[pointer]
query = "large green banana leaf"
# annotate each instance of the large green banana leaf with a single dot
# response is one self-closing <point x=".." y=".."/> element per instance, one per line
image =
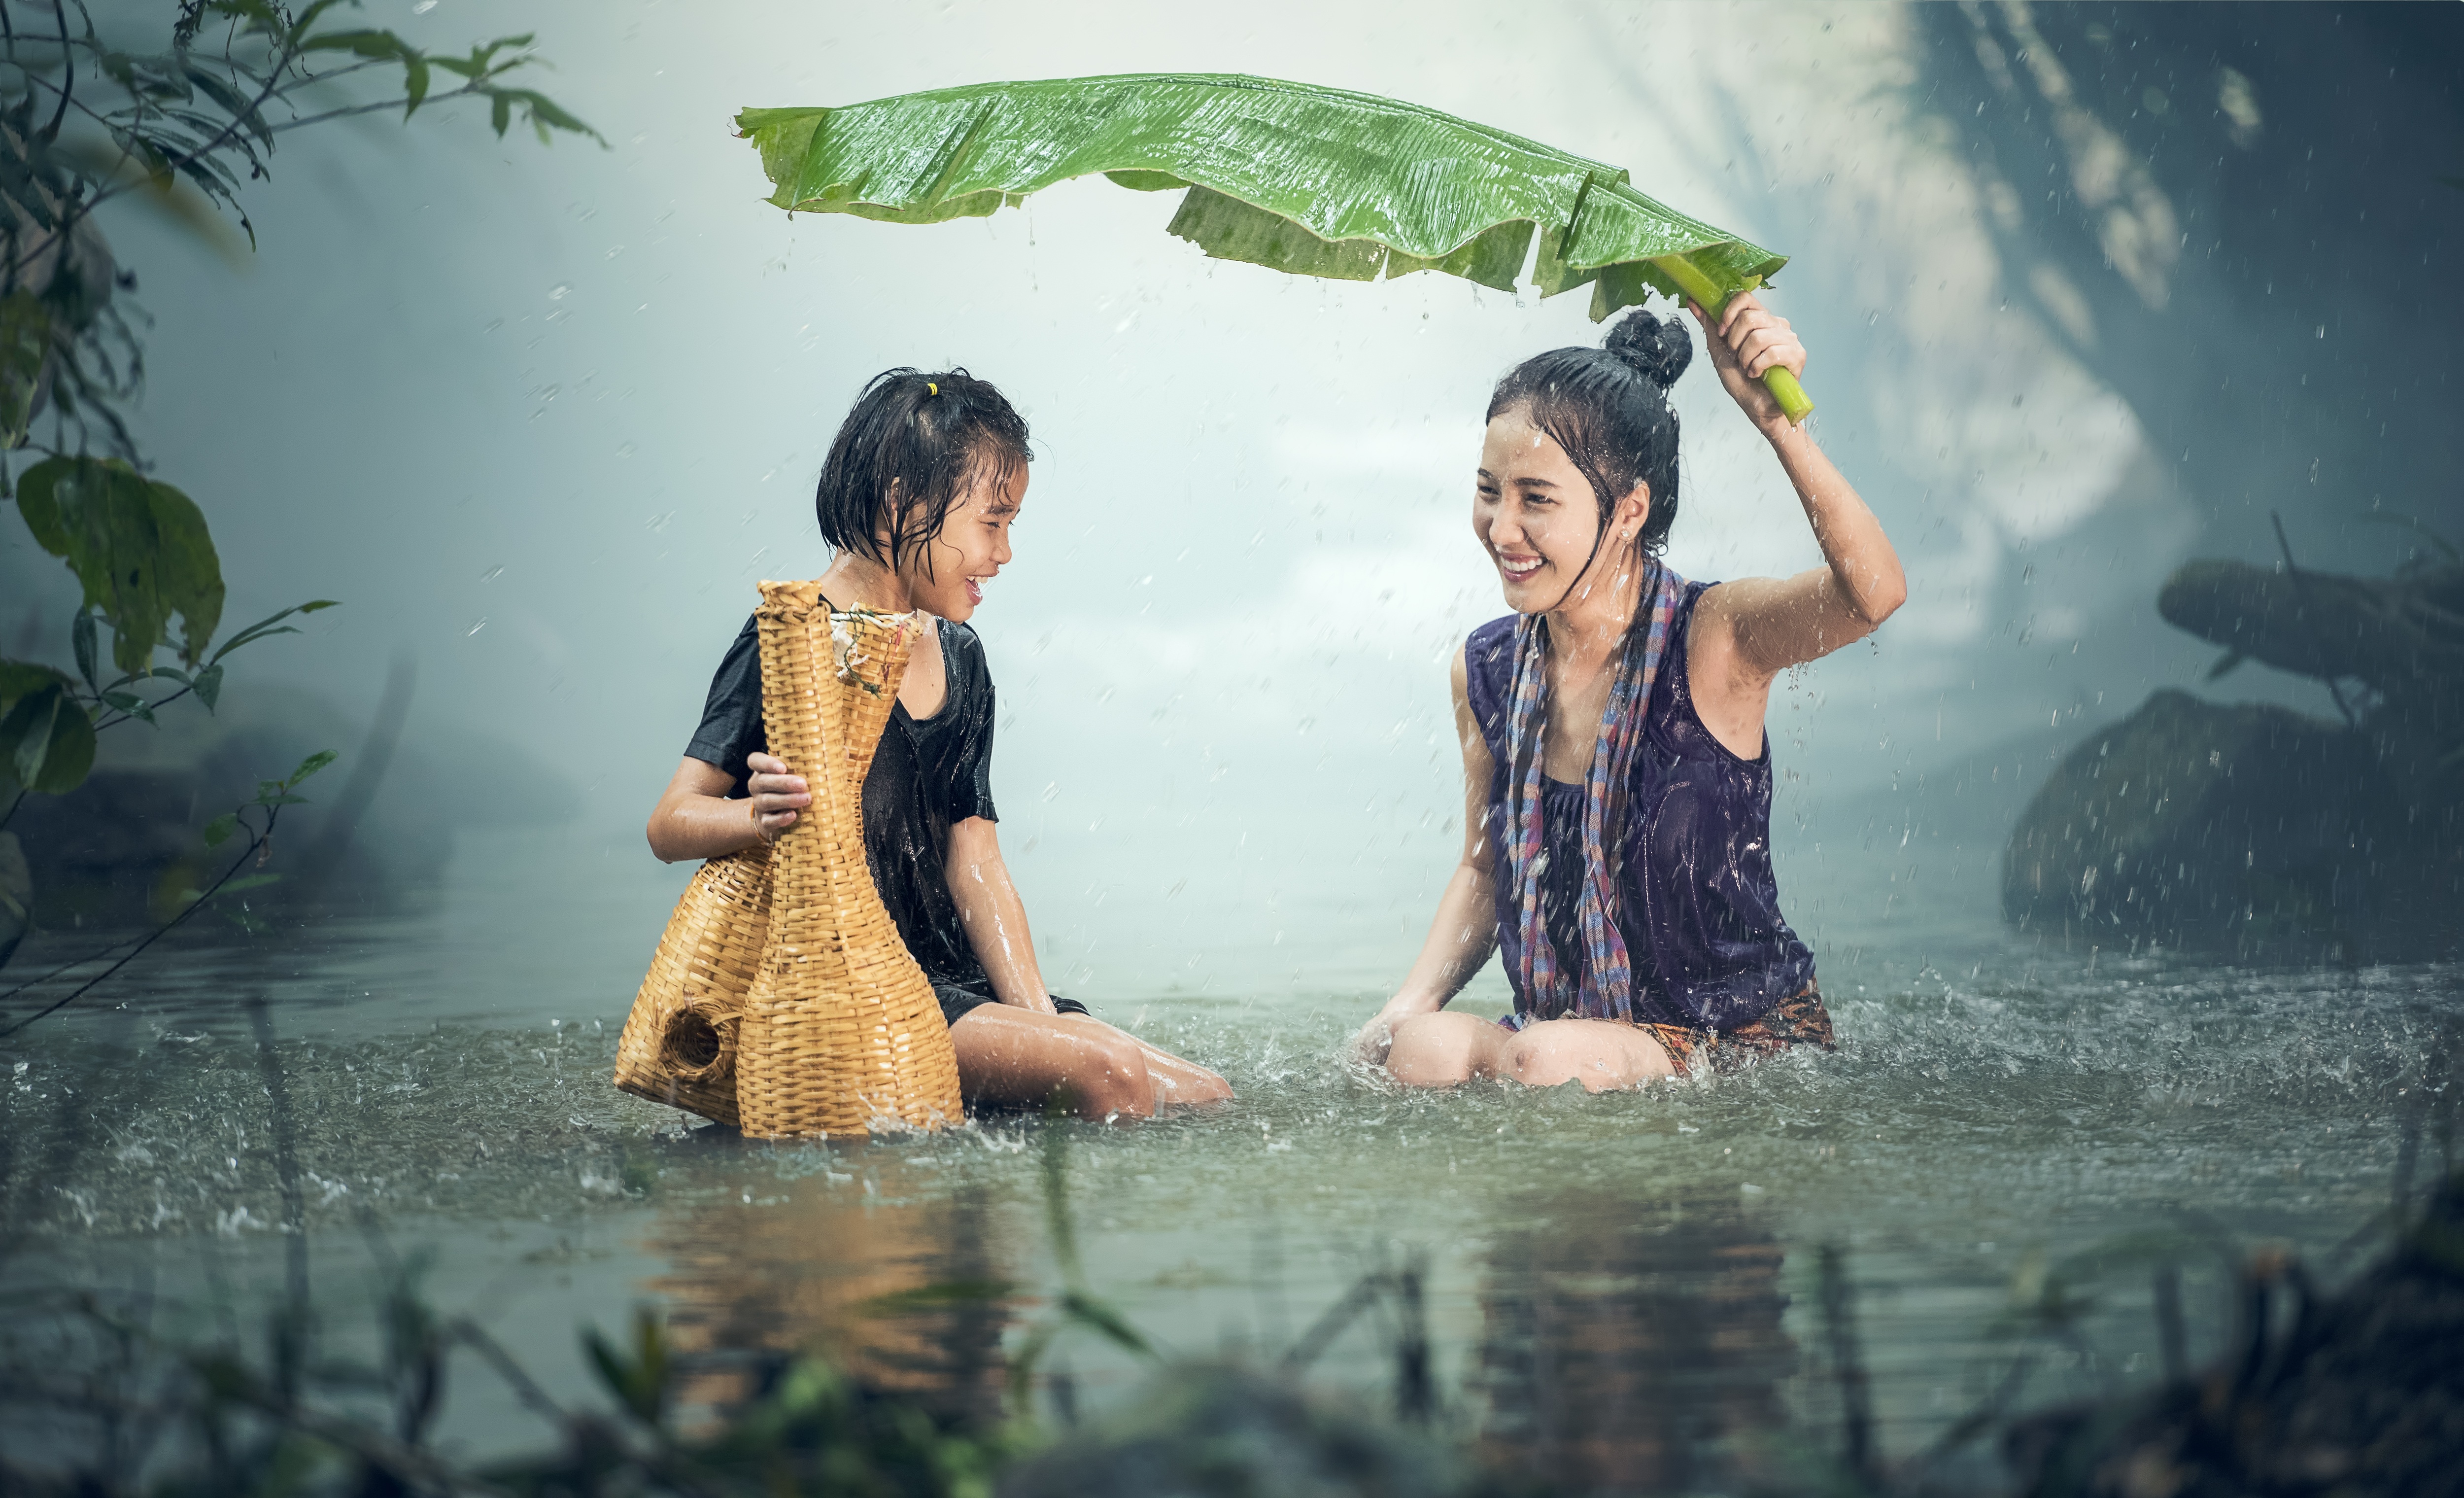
<point x="1312" y="180"/>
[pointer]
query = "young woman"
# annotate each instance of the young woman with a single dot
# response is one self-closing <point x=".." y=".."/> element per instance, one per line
<point x="917" y="500"/>
<point x="1616" y="780"/>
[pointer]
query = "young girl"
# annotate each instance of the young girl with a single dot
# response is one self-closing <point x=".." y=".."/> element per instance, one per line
<point x="917" y="500"/>
<point x="1616" y="780"/>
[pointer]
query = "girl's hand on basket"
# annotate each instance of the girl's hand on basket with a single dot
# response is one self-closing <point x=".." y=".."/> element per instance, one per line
<point x="776" y="794"/>
<point x="1748" y="341"/>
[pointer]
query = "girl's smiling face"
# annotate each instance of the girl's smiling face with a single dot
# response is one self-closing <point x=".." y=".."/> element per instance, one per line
<point x="1537" y="515"/>
<point x="945" y="577"/>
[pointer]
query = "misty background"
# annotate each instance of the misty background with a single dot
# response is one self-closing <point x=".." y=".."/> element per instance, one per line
<point x="541" y="416"/>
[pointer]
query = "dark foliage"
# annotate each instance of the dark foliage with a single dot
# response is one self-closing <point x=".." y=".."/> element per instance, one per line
<point x="2360" y="1394"/>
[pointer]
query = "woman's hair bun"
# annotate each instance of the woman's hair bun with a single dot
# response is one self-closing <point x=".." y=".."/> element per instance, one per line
<point x="1656" y="348"/>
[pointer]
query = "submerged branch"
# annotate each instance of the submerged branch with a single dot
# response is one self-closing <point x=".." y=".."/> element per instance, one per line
<point x="258" y="843"/>
<point x="2400" y="635"/>
<point x="2294" y="571"/>
<point x="91" y="957"/>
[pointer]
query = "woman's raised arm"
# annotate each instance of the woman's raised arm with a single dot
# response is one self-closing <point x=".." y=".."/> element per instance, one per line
<point x="1776" y="622"/>
<point x="1464" y="932"/>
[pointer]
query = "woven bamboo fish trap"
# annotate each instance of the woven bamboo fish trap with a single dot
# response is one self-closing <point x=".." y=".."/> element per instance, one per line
<point x="680" y="1042"/>
<point x="831" y="1026"/>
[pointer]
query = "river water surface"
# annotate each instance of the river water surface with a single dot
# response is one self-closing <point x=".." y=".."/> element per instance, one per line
<point x="1623" y="1289"/>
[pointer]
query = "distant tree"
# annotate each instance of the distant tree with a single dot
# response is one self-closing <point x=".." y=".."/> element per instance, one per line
<point x="2240" y="219"/>
<point x="2237" y="217"/>
<point x="179" y="120"/>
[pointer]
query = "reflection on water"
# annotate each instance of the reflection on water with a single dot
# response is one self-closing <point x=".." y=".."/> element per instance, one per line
<point x="900" y="1289"/>
<point x="1996" y="1103"/>
<point x="1633" y="1344"/>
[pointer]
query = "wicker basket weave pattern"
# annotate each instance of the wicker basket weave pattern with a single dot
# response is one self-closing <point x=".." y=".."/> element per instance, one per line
<point x="841" y="1028"/>
<point x="781" y="998"/>
<point x="680" y="1042"/>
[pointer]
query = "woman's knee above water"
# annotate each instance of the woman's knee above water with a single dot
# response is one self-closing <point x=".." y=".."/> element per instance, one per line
<point x="1603" y="1055"/>
<point x="1436" y="1049"/>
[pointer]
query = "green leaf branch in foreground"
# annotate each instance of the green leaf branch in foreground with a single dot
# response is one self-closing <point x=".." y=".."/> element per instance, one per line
<point x="139" y="547"/>
<point x="50" y="721"/>
<point x="141" y="551"/>
<point x="46" y="736"/>
<point x="179" y="131"/>
<point x="87" y="120"/>
<point x="480" y="73"/>
<point x="1309" y="181"/>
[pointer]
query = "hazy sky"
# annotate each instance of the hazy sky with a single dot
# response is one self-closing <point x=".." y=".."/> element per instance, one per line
<point x="542" y="417"/>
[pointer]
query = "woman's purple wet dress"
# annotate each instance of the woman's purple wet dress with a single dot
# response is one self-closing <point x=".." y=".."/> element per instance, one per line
<point x="1700" y="906"/>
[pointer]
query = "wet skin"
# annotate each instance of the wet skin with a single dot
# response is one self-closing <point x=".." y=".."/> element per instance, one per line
<point x="1017" y="1052"/>
<point x="1540" y="521"/>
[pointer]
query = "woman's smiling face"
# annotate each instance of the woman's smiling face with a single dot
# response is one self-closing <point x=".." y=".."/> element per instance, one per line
<point x="972" y="545"/>
<point x="1536" y="514"/>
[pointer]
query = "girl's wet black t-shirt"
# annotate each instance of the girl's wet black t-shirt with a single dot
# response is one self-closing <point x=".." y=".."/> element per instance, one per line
<point x="927" y="774"/>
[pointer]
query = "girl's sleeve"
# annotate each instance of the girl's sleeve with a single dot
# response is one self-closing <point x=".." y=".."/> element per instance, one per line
<point x="730" y="717"/>
<point x="967" y="787"/>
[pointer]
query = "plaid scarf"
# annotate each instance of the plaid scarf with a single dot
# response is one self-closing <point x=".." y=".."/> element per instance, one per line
<point x="1605" y="990"/>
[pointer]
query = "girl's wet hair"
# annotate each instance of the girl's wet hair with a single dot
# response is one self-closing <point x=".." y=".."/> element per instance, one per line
<point x="908" y="450"/>
<point x="1608" y="408"/>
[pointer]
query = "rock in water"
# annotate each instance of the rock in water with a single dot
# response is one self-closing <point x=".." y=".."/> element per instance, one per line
<point x="2244" y="830"/>
<point x="2258" y="832"/>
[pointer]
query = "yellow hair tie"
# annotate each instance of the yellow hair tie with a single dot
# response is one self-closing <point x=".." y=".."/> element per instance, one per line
<point x="930" y="388"/>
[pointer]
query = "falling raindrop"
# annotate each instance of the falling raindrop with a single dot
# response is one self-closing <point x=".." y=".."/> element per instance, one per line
<point x="482" y="624"/>
<point x="492" y="574"/>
